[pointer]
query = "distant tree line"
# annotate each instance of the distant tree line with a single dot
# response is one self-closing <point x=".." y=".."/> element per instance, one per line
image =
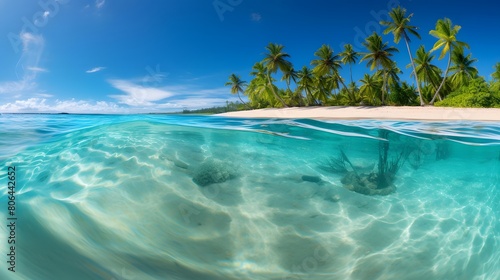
<point x="230" y="107"/>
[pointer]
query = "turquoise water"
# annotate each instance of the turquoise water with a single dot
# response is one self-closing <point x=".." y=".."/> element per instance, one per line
<point x="191" y="197"/>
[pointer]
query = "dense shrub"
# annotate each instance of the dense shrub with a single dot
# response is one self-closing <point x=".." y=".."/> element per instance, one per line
<point x="478" y="94"/>
<point x="403" y="95"/>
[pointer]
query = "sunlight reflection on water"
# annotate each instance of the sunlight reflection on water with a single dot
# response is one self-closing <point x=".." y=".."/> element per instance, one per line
<point x="113" y="197"/>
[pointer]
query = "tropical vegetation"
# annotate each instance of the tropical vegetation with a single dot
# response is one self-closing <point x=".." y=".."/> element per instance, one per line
<point x="230" y="107"/>
<point x="321" y="83"/>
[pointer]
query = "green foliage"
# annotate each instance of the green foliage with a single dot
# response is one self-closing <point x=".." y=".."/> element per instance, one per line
<point x="403" y="95"/>
<point x="462" y="68"/>
<point x="471" y="100"/>
<point x="230" y="107"/>
<point x="322" y="84"/>
<point x="379" y="53"/>
<point x="477" y="94"/>
<point x="495" y="86"/>
<point x="496" y="75"/>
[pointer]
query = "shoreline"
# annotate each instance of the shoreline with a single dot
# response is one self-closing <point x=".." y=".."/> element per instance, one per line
<point x="385" y="113"/>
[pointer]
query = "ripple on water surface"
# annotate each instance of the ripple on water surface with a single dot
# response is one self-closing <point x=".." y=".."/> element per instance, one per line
<point x="168" y="197"/>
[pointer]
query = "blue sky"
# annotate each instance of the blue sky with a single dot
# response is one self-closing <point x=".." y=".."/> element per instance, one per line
<point x="131" y="56"/>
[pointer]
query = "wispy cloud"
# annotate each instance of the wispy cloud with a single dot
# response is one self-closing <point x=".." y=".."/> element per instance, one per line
<point x="154" y="75"/>
<point x="136" y="95"/>
<point x="169" y="97"/>
<point x="37" y="69"/>
<point x="27" y="67"/>
<point x="33" y="46"/>
<point x="39" y="21"/>
<point x="44" y="95"/>
<point x="95" y="69"/>
<point x="256" y="17"/>
<point x="43" y="105"/>
<point x="134" y="98"/>
<point x="99" y="3"/>
<point x="13" y="87"/>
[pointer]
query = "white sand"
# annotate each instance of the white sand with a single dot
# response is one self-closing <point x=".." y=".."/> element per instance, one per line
<point x="393" y="113"/>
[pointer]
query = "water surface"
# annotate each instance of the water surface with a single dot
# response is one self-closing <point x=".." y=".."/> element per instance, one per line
<point x="193" y="197"/>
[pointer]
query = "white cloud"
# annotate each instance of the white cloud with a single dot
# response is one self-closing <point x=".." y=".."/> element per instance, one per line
<point x="42" y="105"/>
<point x="99" y="3"/>
<point x="27" y="67"/>
<point x="171" y="97"/>
<point x="256" y="17"/>
<point x="31" y="41"/>
<point x="155" y="102"/>
<point x="154" y="75"/>
<point x="136" y="95"/>
<point x="44" y="95"/>
<point x="95" y="69"/>
<point x="13" y="87"/>
<point x="40" y="21"/>
<point x="33" y="46"/>
<point x="37" y="69"/>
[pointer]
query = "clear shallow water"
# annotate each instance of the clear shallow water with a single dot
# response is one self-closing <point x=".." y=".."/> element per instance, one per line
<point x="113" y="197"/>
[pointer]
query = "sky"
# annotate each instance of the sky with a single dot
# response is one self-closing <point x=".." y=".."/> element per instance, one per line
<point x="131" y="56"/>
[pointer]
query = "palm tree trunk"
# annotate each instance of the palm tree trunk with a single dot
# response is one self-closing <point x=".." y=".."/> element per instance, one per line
<point x="301" y="98"/>
<point x="444" y="78"/>
<point x="350" y="70"/>
<point x="246" y="105"/>
<point x="310" y="97"/>
<point x="422" y="103"/>
<point x="343" y="84"/>
<point x="274" y="93"/>
<point x="435" y="87"/>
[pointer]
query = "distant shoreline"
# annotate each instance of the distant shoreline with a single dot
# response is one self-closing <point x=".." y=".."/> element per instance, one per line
<point x="386" y="113"/>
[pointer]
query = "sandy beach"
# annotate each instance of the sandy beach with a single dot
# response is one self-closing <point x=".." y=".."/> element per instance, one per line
<point x="390" y="113"/>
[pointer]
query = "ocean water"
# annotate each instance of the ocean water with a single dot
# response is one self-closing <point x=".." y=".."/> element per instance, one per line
<point x="195" y="197"/>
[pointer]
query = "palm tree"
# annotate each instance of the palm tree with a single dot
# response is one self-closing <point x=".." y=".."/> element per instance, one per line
<point x="306" y="83"/>
<point x="399" y="26"/>
<point x="378" y="56"/>
<point x="276" y="59"/>
<point x="371" y="85"/>
<point x="426" y="71"/>
<point x="352" y="96"/>
<point x="327" y="63"/>
<point x="403" y="94"/>
<point x="333" y="82"/>
<point x="289" y="75"/>
<point x="446" y="34"/>
<point x="322" y="88"/>
<point x="462" y="68"/>
<point x="349" y="56"/>
<point x="237" y="86"/>
<point x="258" y="90"/>
<point x="392" y="73"/>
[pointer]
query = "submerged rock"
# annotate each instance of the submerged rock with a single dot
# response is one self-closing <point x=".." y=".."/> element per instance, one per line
<point x="180" y="164"/>
<point x="313" y="179"/>
<point x="333" y="198"/>
<point x="366" y="184"/>
<point x="213" y="171"/>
